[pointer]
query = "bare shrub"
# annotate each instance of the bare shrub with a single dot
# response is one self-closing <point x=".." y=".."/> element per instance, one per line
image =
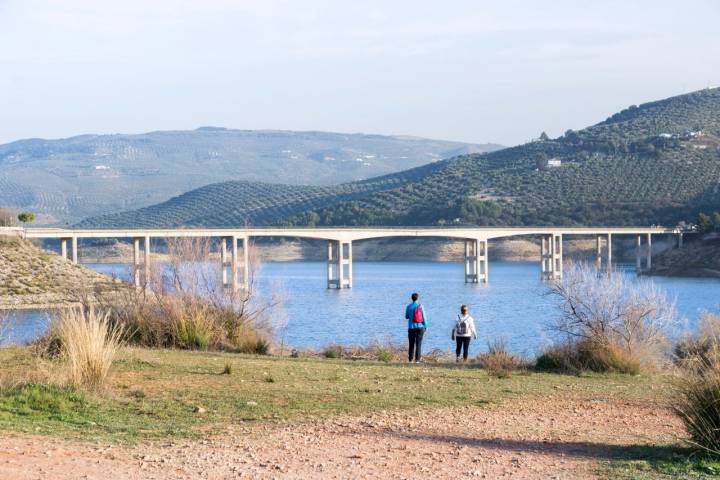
<point x="608" y="319"/>
<point x="498" y="360"/>
<point x="8" y="217"/>
<point x="186" y="305"/>
<point x="89" y="344"/>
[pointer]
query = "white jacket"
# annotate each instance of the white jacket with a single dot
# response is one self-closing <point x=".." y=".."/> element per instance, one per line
<point x="470" y="326"/>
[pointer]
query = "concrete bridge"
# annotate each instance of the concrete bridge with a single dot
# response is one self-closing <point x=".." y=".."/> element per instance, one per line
<point x="235" y="244"/>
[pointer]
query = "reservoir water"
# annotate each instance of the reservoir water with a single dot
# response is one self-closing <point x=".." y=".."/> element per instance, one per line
<point x="513" y="306"/>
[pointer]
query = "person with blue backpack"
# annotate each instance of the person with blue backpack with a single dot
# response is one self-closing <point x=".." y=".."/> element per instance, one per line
<point x="417" y="324"/>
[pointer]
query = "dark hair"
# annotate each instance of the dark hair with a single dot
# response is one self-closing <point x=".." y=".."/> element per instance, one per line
<point x="414" y="297"/>
<point x="463" y="308"/>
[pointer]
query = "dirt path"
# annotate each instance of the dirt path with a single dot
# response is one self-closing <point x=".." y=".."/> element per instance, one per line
<point x="552" y="437"/>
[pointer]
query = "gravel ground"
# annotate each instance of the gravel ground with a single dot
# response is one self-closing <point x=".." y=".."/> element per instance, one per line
<point x="550" y="437"/>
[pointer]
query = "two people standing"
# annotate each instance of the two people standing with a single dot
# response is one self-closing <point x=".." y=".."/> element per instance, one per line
<point x="417" y="325"/>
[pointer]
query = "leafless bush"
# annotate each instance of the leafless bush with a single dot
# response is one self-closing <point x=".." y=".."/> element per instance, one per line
<point x="610" y="314"/>
<point x="187" y="306"/>
<point x="8" y="217"/>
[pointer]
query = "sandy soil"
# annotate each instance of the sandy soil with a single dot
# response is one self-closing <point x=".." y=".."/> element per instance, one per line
<point x="551" y="437"/>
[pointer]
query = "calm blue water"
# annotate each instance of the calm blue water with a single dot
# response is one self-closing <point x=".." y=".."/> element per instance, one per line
<point x="512" y="306"/>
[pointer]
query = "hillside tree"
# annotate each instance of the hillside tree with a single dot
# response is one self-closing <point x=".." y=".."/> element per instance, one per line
<point x="26" y="217"/>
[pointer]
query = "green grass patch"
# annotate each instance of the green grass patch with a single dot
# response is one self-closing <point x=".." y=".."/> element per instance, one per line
<point x="672" y="462"/>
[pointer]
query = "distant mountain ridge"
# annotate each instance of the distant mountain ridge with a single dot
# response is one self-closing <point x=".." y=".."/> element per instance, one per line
<point x="68" y="179"/>
<point x="654" y="163"/>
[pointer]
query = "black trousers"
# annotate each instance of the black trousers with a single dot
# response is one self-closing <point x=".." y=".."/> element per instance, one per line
<point x="415" y="336"/>
<point x="462" y="343"/>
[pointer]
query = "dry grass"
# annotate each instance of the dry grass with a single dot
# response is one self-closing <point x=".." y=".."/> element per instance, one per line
<point x="697" y="403"/>
<point x="89" y="345"/>
<point x="575" y="356"/>
<point x="498" y="361"/>
<point x="697" y="398"/>
<point x="377" y="350"/>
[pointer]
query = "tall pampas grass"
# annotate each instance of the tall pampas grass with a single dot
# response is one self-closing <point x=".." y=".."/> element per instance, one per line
<point x="89" y="344"/>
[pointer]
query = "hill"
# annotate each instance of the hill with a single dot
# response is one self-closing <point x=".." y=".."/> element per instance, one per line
<point x="654" y="163"/>
<point x="69" y="179"/>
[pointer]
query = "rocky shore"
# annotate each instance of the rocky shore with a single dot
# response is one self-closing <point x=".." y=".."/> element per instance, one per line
<point x="697" y="258"/>
<point x="31" y="277"/>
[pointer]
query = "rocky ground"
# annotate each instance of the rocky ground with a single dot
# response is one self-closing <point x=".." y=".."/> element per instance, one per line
<point x="555" y="436"/>
<point x="698" y="258"/>
<point x="34" y="278"/>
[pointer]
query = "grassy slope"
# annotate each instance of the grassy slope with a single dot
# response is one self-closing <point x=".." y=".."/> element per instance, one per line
<point x="616" y="172"/>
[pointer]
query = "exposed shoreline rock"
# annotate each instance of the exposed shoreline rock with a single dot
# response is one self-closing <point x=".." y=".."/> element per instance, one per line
<point x="698" y="258"/>
<point x="34" y="278"/>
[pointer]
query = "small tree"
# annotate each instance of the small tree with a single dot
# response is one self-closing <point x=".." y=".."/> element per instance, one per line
<point x="541" y="161"/>
<point x="26" y="217"/>
<point x="704" y="223"/>
<point x="716" y="221"/>
<point x="544" y="137"/>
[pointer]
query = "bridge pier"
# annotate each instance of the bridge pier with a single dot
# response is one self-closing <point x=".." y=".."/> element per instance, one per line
<point x="73" y="248"/>
<point x="339" y="264"/>
<point x="648" y="254"/>
<point x="599" y="251"/>
<point x="239" y="271"/>
<point x="223" y="262"/>
<point x="63" y="248"/>
<point x="551" y="257"/>
<point x="476" y="261"/>
<point x="136" y="262"/>
<point x="141" y="278"/>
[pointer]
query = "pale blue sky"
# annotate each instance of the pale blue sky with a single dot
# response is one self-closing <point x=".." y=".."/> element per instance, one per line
<point x="463" y="70"/>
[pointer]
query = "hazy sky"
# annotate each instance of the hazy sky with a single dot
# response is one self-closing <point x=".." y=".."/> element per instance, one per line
<point x="464" y="70"/>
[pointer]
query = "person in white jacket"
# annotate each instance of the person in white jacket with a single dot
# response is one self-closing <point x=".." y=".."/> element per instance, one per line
<point x="462" y="332"/>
